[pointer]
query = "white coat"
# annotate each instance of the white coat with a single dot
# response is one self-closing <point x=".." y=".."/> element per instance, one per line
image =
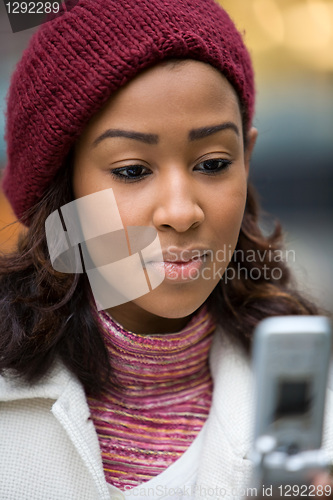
<point x="49" y="447"/>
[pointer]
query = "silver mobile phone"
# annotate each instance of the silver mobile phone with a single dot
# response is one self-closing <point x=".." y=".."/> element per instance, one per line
<point x="291" y="358"/>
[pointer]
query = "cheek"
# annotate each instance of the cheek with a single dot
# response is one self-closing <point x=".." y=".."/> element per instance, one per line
<point x="227" y="209"/>
<point x="89" y="177"/>
<point x="136" y="202"/>
<point x="84" y="183"/>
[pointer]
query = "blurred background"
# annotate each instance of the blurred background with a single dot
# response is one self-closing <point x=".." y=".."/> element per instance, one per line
<point x="291" y="42"/>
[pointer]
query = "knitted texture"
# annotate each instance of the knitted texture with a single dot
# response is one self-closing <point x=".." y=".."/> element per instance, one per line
<point x="163" y="400"/>
<point x="76" y="61"/>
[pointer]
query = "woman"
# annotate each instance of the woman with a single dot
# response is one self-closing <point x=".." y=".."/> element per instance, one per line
<point x="146" y="397"/>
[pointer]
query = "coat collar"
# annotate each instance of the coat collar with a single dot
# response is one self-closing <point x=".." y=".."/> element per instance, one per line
<point x="51" y="386"/>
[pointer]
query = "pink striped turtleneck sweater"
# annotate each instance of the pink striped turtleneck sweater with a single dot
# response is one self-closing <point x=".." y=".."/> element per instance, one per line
<point x="148" y="422"/>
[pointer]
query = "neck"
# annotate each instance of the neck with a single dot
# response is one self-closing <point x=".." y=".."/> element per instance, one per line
<point x="152" y="365"/>
<point x="137" y="320"/>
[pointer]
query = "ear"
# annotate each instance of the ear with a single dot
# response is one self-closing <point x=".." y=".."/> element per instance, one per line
<point x="251" y="141"/>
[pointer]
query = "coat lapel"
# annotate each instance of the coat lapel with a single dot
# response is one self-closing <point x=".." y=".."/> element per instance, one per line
<point x="70" y="409"/>
<point x="225" y="462"/>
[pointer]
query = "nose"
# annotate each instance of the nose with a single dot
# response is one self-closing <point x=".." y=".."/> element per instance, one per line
<point x="178" y="204"/>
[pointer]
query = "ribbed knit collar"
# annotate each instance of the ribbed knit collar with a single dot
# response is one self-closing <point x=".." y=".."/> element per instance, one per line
<point x="161" y="362"/>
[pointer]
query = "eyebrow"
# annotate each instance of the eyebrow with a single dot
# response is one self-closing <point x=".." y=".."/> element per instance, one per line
<point x="194" y="134"/>
<point x="200" y="133"/>
<point x="128" y="134"/>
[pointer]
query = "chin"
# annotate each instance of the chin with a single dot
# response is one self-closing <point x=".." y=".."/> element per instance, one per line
<point x="171" y="306"/>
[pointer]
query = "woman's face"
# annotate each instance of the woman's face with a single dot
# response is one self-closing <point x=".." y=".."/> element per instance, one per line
<point x="179" y="166"/>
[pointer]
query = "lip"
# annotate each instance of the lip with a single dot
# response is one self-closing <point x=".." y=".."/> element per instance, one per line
<point x="177" y="255"/>
<point x="179" y="269"/>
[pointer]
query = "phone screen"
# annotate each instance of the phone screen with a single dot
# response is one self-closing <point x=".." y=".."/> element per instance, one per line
<point x="294" y="398"/>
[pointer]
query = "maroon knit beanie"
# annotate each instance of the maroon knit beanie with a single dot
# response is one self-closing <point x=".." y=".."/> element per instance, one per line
<point x="76" y="61"/>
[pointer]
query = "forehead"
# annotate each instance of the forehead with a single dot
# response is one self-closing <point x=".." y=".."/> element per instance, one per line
<point x="171" y="94"/>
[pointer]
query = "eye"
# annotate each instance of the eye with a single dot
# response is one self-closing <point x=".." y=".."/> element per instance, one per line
<point x="213" y="166"/>
<point x="132" y="173"/>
